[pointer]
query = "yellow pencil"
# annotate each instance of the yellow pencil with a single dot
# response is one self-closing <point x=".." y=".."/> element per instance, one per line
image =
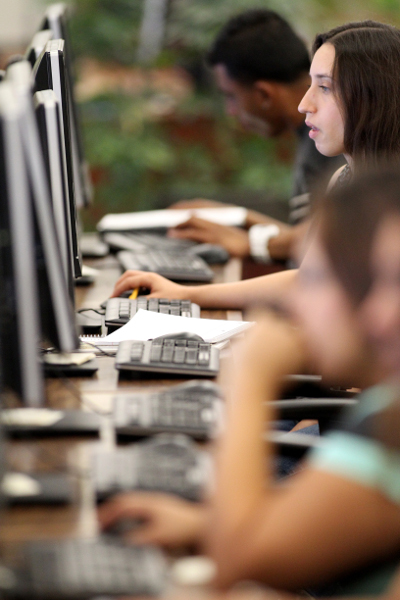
<point x="134" y="294"/>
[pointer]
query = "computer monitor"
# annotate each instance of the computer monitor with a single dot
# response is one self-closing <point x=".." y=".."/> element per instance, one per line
<point x="19" y="306"/>
<point x="56" y="19"/>
<point x="37" y="44"/>
<point x="48" y="120"/>
<point x="50" y="73"/>
<point x="57" y="316"/>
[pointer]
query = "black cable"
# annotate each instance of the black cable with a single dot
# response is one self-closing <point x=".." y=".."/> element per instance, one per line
<point x="96" y="310"/>
<point x="100" y="349"/>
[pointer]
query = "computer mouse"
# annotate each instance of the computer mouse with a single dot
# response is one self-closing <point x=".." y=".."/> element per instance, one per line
<point x="183" y="335"/>
<point x="211" y="253"/>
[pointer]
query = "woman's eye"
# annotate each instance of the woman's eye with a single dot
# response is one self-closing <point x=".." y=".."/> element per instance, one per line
<point x="324" y="88"/>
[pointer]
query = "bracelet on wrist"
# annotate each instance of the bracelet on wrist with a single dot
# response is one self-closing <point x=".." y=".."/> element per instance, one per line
<point x="259" y="237"/>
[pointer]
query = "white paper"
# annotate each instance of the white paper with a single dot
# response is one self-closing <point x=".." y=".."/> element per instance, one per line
<point x="147" y="325"/>
<point x="65" y="358"/>
<point x="155" y="219"/>
<point x="39" y="417"/>
<point x="19" y="484"/>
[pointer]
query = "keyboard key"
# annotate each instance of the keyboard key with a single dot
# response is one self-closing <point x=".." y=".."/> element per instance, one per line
<point x="120" y="310"/>
<point x="155" y="354"/>
<point x="191" y="356"/>
<point x="179" y="355"/>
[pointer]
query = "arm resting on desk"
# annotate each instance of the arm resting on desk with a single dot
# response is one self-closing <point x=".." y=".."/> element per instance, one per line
<point x="237" y="295"/>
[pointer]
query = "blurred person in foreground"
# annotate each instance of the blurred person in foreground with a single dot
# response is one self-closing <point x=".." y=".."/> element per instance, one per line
<point x="334" y="526"/>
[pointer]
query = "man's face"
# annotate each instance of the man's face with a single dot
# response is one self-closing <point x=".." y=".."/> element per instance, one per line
<point x="246" y="103"/>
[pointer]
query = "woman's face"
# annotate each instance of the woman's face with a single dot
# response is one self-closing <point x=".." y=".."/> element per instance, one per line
<point x="381" y="310"/>
<point x="332" y="333"/>
<point x="320" y="105"/>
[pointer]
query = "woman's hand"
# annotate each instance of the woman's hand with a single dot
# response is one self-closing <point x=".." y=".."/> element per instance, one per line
<point x="159" y="286"/>
<point x="164" y="520"/>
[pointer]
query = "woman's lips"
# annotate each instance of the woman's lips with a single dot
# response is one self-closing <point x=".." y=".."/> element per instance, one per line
<point x="313" y="130"/>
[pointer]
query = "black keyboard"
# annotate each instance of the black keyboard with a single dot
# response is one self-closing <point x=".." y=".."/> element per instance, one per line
<point x="172" y="265"/>
<point x="164" y="463"/>
<point x="193" y="408"/>
<point x="79" y="569"/>
<point x="140" y="241"/>
<point x="120" y="310"/>
<point x="172" y="356"/>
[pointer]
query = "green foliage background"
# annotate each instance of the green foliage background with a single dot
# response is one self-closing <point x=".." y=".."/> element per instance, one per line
<point x="137" y="162"/>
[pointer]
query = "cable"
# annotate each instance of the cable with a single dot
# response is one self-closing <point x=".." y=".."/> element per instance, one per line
<point x="96" y="310"/>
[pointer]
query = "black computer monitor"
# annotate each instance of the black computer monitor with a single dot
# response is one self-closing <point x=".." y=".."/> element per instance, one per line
<point x="50" y="73"/>
<point x="19" y="306"/>
<point x="48" y="120"/>
<point x="56" y="19"/>
<point x="37" y="44"/>
<point x="57" y="316"/>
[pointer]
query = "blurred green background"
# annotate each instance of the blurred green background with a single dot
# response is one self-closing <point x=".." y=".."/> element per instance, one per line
<point x="155" y="131"/>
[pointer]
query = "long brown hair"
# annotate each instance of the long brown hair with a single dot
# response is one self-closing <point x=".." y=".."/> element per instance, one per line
<point x="366" y="75"/>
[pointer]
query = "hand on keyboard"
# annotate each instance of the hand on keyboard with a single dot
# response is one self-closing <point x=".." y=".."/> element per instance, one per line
<point x="233" y="239"/>
<point x="159" y="286"/>
<point x="166" y="520"/>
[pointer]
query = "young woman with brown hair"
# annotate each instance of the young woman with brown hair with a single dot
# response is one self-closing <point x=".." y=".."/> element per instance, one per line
<point x="352" y="108"/>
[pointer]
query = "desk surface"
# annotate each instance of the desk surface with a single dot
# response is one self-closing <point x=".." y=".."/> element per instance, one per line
<point x="71" y="454"/>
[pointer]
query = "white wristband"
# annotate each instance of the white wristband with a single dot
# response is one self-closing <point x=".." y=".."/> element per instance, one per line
<point x="259" y="236"/>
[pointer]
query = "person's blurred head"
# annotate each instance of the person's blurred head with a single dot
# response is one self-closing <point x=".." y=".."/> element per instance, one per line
<point x="349" y="290"/>
<point x="327" y="314"/>
<point x="259" y="63"/>
<point x="355" y="67"/>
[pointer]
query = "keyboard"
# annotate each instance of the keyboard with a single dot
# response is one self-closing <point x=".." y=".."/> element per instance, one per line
<point x="164" y="463"/>
<point x="172" y="265"/>
<point x="193" y="408"/>
<point x="140" y="241"/>
<point x="120" y="310"/>
<point x="170" y="356"/>
<point x="79" y="569"/>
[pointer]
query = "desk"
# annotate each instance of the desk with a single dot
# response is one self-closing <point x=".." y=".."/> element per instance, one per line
<point x="71" y="454"/>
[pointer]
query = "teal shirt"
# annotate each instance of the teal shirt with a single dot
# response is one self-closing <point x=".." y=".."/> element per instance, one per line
<point x="353" y="453"/>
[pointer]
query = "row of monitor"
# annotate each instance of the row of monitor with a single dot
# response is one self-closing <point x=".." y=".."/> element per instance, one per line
<point x="42" y="182"/>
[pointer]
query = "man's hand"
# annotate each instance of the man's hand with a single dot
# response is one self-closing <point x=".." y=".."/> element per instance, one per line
<point x="199" y="203"/>
<point x="233" y="239"/>
<point x="167" y="521"/>
<point x="159" y="286"/>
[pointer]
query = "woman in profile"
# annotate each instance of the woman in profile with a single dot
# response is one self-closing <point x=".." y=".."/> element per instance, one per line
<point x="352" y="108"/>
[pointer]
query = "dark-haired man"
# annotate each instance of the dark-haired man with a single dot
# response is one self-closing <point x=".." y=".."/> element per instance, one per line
<point x="261" y="67"/>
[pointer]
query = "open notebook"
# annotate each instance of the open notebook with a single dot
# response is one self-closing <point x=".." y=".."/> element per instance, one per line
<point x="147" y="325"/>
